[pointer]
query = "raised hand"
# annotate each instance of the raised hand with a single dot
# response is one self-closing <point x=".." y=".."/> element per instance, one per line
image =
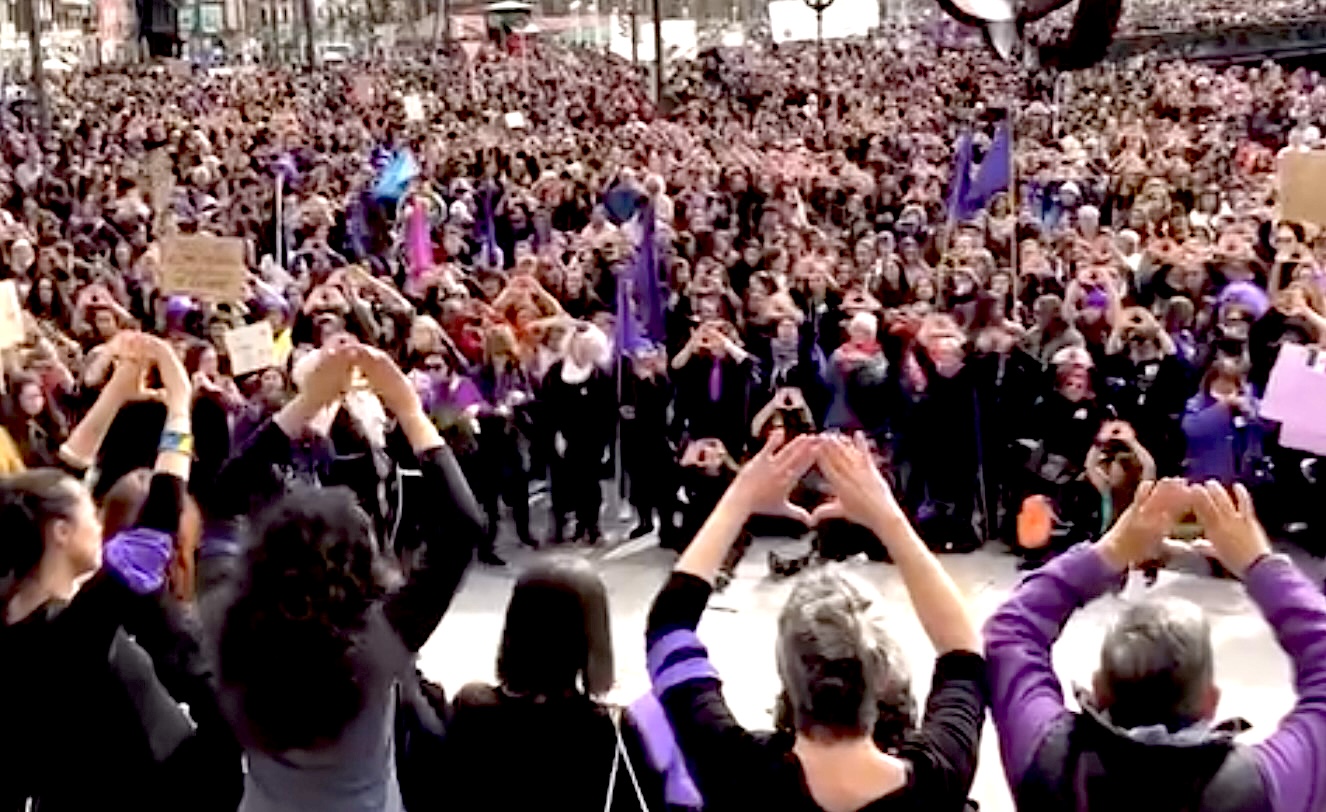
<point x="131" y="364"/>
<point x="329" y="377"/>
<point x="1237" y="537"/>
<point x="861" y="495"/>
<point x="385" y="377"/>
<point x="764" y="483"/>
<point x="399" y="396"/>
<point x="175" y="379"/>
<point x="1140" y="532"/>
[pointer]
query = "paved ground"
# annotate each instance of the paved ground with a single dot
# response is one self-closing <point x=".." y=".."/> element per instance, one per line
<point x="739" y="630"/>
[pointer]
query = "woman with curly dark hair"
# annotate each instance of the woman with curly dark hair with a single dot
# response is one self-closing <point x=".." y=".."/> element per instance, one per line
<point x="314" y="638"/>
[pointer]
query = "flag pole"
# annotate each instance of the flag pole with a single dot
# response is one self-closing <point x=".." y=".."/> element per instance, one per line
<point x="280" y="220"/>
<point x="1015" y="247"/>
<point x="619" y="489"/>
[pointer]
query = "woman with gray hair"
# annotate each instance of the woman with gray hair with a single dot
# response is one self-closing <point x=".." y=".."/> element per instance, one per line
<point x="834" y="658"/>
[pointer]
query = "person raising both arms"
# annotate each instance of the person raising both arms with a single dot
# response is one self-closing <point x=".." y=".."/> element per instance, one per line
<point x="833" y="658"/>
<point x="1144" y="739"/>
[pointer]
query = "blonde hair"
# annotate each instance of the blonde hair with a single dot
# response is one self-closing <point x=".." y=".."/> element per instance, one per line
<point x="11" y="461"/>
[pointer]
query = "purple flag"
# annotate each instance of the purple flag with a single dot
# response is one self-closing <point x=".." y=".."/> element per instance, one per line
<point x="647" y="289"/>
<point x="629" y="336"/>
<point x="995" y="173"/>
<point x="960" y="186"/>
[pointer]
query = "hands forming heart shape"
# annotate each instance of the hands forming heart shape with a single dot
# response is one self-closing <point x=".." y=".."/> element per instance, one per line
<point x="1234" y="536"/>
<point x="861" y="495"/>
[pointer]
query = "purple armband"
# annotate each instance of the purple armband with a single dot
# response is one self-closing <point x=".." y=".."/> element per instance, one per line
<point x="139" y="557"/>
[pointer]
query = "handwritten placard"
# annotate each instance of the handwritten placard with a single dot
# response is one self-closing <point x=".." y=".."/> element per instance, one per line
<point x="515" y="120"/>
<point x="251" y="348"/>
<point x="204" y="266"/>
<point x="1302" y="180"/>
<point x="12" y="331"/>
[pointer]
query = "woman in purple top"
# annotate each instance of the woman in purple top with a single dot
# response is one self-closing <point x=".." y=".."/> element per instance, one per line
<point x="1144" y="739"/>
<point x="1223" y="431"/>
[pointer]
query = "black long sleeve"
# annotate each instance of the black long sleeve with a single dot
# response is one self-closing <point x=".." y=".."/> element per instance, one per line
<point x="678" y="605"/>
<point x="253" y="470"/>
<point x="446" y="537"/>
<point x="738" y="769"/>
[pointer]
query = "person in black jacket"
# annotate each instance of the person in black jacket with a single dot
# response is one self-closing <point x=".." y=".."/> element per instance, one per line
<point x="554" y="665"/>
<point x="578" y="402"/>
<point x="86" y="701"/>
<point x="829" y="657"/>
<point x="311" y="638"/>
<point x="647" y="453"/>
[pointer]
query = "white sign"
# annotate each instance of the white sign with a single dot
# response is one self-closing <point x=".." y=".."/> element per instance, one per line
<point x="414" y="107"/>
<point x="251" y="348"/>
<point x="12" y="331"/>
<point x="515" y="120"/>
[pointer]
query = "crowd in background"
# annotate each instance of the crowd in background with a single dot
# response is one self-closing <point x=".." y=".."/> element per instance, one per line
<point x="485" y="274"/>
<point x="809" y="262"/>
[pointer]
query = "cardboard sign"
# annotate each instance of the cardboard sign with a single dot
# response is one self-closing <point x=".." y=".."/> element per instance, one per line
<point x="207" y="267"/>
<point x="251" y="348"/>
<point x="12" y="330"/>
<point x="515" y="120"/>
<point x="414" y="107"/>
<point x="1297" y="388"/>
<point x="1301" y="177"/>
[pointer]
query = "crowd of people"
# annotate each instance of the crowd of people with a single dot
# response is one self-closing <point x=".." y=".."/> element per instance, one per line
<point x="1168" y="15"/>
<point x="1015" y="300"/>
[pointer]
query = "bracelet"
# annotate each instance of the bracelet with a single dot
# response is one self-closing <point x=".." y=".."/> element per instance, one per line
<point x="176" y="441"/>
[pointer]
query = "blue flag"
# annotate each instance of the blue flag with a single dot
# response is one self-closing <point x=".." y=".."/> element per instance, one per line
<point x="995" y="173"/>
<point x="395" y="177"/>
<point x="960" y="185"/>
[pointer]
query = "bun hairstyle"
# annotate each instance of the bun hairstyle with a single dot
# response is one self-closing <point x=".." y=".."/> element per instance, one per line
<point x="28" y="501"/>
<point x="840" y="670"/>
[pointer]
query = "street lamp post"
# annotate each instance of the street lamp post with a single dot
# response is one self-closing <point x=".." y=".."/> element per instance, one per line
<point x="819" y="7"/>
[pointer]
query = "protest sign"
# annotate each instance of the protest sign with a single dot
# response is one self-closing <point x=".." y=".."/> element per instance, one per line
<point x="1302" y="185"/>
<point x="414" y="107"/>
<point x="1297" y="387"/>
<point x="515" y="120"/>
<point x="251" y="348"/>
<point x="204" y="266"/>
<point x="12" y="331"/>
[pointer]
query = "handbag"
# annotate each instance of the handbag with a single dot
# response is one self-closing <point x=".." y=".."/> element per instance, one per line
<point x="620" y="755"/>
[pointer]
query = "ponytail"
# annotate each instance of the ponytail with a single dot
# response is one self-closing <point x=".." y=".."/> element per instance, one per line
<point x="27" y="502"/>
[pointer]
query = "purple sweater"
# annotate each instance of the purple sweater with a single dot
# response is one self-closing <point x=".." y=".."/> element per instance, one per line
<point x="1027" y="700"/>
